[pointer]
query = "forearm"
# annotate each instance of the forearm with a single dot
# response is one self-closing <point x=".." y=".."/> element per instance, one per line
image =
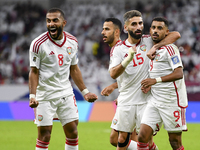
<point x="33" y="80"/>
<point x="116" y="71"/>
<point x="169" y="39"/>
<point x="77" y="77"/>
<point x="176" y="75"/>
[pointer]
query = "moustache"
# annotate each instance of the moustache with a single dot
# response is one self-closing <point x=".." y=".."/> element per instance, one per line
<point x="138" y="31"/>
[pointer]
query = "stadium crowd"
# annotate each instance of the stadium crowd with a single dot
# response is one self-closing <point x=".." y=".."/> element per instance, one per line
<point x="22" y="22"/>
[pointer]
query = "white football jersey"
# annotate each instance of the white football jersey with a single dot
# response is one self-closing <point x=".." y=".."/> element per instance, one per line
<point x="53" y="59"/>
<point x="129" y="82"/>
<point x="170" y="93"/>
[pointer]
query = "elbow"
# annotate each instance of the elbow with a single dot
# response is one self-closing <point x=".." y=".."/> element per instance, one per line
<point x="178" y="35"/>
<point x="113" y="75"/>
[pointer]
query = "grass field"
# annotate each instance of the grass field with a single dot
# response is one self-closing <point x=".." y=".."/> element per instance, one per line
<point x="21" y="135"/>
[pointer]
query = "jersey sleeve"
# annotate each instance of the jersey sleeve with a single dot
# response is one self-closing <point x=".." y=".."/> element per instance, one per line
<point x="174" y="56"/>
<point x="115" y="58"/>
<point x="75" y="59"/>
<point x="34" y="57"/>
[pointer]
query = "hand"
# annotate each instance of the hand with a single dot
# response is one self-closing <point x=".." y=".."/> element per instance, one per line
<point x="131" y="51"/>
<point x="151" y="53"/>
<point x="90" y="97"/>
<point x="107" y="90"/>
<point x="148" y="82"/>
<point x="33" y="103"/>
<point x="115" y="101"/>
<point x="145" y="90"/>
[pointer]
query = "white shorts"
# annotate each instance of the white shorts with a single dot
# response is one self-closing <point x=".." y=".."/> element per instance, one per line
<point x="173" y="117"/>
<point x="65" y="108"/>
<point x="127" y="118"/>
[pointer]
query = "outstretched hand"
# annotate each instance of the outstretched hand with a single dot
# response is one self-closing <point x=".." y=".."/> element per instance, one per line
<point x="33" y="103"/>
<point x="90" y="97"/>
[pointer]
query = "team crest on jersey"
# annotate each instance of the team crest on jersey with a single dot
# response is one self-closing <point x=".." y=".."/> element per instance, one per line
<point x="40" y="117"/>
<point x="157" y="57"/>
<point x="115" y="121"/>
<point x="69" y="50"/>
<point x="143" y="47"/>
<point x="34" y="59"/>
<point x="175" y="60"/>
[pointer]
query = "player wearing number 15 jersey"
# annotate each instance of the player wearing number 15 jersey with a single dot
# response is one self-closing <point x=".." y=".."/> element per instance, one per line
<point x="53" y="57"/>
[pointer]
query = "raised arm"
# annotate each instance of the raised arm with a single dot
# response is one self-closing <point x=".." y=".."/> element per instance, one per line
<point x="33" y="82"/>
<point x="78" y="80"/>
<point x="119" y="69"/>
<point x="169" y="39"/>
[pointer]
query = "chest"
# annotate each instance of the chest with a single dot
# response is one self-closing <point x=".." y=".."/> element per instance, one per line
<point x="54" y="54"/>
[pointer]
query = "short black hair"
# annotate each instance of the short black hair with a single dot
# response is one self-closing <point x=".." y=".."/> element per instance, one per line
<point x="115" y="21"/>
<point x="130" y="14"/>
<point x="52" y="10"/>
<point x="161" y="19"/>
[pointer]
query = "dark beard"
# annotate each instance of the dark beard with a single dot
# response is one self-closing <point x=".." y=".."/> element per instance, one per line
<point x="133" y="35"/>
<point x="58" y="34"/>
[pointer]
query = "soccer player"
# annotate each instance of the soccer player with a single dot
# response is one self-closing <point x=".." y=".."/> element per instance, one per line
<point x="168" y="98"/>
<point x="53" y="57"/>
<point x="111" y="35"/>
<point x="129" y="65"/>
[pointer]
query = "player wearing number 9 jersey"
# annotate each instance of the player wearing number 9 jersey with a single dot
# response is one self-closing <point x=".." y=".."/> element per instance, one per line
<point x="53" y="57"/>
<point x="168" y="98"/>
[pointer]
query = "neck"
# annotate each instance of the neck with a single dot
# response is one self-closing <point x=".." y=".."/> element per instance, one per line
<point x="114" y="42"/>
<point x="132" y="40"/>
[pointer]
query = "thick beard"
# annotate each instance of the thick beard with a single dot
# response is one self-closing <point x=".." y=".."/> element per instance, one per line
<point x="133" y="35"/>
<point x="58" y="34"/>
<point x="111" y="39"/>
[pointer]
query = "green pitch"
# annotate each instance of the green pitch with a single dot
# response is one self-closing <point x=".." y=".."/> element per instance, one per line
<point x="21" y="135"/>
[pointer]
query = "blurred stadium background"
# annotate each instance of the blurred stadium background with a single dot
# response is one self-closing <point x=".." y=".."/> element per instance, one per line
<point x="23" y="20"/>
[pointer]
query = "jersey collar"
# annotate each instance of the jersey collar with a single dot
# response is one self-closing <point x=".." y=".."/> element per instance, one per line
<point x="59" y="45"/>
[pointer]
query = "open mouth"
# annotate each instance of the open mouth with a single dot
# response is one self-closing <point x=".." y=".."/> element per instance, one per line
<point x="53" y="31"/>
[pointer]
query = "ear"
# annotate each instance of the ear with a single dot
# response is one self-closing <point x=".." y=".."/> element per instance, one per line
<point x="167" y="31"/>
<point x="125" y="27"/>
<point x="64" y="22"/>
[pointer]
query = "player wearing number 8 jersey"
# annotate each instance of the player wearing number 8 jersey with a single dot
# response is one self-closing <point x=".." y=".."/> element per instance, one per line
<point x="53" y="57"/>
<point x="168" y="98"/>
<point x="129" y="65"/>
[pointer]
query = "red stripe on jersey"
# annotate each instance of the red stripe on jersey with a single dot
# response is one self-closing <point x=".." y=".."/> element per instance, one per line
<point x="146" y="36"/>
<point x="124" y="42"/>
<point x="170" y="50"/>
<point x="39" y="41"/>
<point x="117" y="43"/>
<point x="68" y="35"/>
<point x="183" y="116"/>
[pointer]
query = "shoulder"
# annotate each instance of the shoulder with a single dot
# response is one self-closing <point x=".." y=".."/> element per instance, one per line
<point x="70" y="37"/>
<point x="171" y="49"/>
<point x="38" y="41"/>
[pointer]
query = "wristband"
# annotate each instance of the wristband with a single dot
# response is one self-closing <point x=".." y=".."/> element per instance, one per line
<point x="85" y="91"/>
<point x="125" y="62"/>
<point x="158" y="80"/>
<point x="31" y="96"/>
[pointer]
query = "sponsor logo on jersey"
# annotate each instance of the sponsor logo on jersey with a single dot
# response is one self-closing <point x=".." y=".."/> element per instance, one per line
<point x="175" y="60"/>
<point x="143" y="47"/>
<point x="69" y="50"/>
<point x="157" y="57"/>
<point x="34" y="59"/>
<point x="40" y="117"/>
<point x="115" y="121"/>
